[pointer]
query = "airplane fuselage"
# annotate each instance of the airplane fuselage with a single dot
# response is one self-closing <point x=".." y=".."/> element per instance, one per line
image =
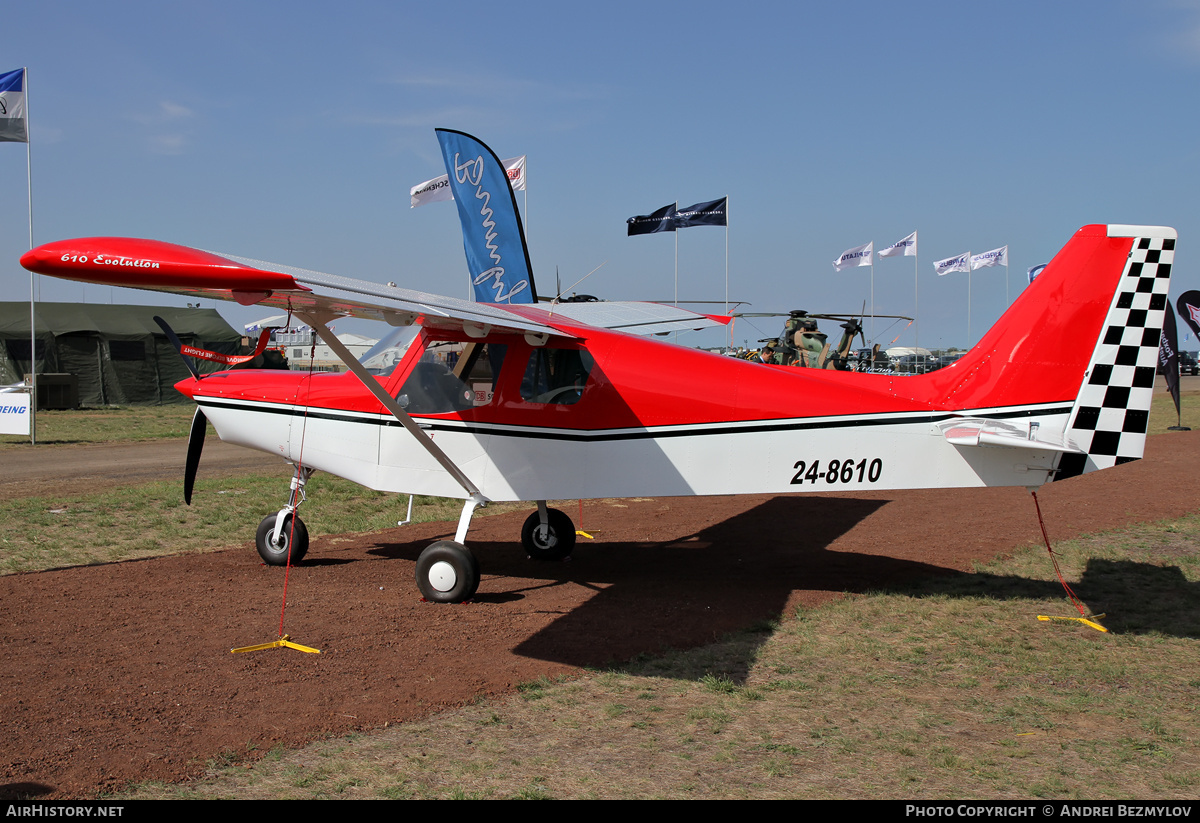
<point x="650" y="419"/>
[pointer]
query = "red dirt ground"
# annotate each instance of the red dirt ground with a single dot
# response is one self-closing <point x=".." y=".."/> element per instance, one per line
<point x="123" y="672"/>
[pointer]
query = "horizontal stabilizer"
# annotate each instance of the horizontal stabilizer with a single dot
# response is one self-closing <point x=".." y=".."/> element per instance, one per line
<point x="977" y="431"/>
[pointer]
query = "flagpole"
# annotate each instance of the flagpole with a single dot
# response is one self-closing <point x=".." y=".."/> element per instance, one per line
<point x="916" y="300"/>
<point x="968" y="299"/>
<point x="872" y="296"/>
<point x="727" y="269"/>
<point x="676" y="233"/>
<point x="32" y="276"/>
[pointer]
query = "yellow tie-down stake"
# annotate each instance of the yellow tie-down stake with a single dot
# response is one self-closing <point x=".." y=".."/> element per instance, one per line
<point x="1087" y="621"/>
<point x="277" y="644"/>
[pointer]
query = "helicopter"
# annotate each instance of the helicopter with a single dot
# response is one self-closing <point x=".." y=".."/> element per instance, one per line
<point x="802" y="344"/>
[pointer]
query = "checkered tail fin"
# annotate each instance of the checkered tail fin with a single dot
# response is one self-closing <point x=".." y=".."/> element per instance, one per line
<point x="1109" y="418"/>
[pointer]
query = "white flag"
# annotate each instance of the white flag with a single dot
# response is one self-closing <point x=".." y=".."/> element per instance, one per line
<point x="960" y="263"/>
<point x="438" y="189"/>
<point x="14" y="126"/>
<point x="906" y="247"/>
<point x="995" y="257"/>
<point x="516" y="172"/>
<point x="857" y="256"/>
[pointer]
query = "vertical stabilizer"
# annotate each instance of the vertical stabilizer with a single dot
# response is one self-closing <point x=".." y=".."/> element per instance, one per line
<point x="1111" y="411"/>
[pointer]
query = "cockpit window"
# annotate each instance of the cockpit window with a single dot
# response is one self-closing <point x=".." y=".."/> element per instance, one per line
<point x="556" y="376"/>
<point x="385" y="355"/>
<point x="448" y="380"/>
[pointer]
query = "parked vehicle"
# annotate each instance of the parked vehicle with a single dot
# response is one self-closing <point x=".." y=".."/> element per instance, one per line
<point x="916" y="364"/>
<point x="1188" y="364"/>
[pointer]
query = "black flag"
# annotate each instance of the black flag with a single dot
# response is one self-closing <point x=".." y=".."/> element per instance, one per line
<point x="711" y="213"/>
<point x="661" y="220"/>
<point x="1168" y="356"/>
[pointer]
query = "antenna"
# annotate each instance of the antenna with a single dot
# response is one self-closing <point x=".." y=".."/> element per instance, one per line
<point x="558" y="296"/>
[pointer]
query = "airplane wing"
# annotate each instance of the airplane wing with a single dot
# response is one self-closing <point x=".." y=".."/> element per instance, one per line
<point x="636" y="318"/>
<point x="166" y="267"/>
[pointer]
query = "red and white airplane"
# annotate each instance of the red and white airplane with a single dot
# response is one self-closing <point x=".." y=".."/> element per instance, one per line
<point x="562" y="401"/>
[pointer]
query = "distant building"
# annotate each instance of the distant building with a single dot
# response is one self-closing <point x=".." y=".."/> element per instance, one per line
<point x="295" y="343"/>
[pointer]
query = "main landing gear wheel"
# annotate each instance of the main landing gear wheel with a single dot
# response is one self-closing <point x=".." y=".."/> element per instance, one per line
<point x="447" y="572"/>
<point x="554" y="541"/>
<point x="277" y="555"/>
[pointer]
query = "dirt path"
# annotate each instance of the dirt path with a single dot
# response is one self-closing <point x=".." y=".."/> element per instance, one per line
<point x="67" y="470"/>
<point x="122" y="672"/>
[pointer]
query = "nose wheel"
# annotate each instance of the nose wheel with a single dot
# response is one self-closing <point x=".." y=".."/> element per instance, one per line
<point x="293" y="536"/>
<point x="282" y="537"/>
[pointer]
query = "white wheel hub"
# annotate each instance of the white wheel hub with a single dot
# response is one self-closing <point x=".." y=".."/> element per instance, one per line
<point x="442" y="576"/>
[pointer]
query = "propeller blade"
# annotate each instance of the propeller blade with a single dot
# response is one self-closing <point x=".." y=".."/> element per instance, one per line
<point x="195" y="446"/>
<point x="178" y="344"/>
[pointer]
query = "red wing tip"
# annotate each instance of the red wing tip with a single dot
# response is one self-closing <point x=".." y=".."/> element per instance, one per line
<point x="129" y="261"/>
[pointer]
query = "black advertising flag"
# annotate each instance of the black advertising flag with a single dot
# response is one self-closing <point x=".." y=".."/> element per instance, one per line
<point x="661" y="220"/>
<point x="711" y="213"/>
<point x="1168" y="356"/>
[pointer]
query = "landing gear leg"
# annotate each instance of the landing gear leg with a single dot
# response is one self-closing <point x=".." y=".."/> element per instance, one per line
<point x="277" y="537"/>
<point x="447" y="572"/>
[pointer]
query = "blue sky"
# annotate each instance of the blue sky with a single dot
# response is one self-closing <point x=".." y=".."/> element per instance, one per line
<point x="292" y="132"/>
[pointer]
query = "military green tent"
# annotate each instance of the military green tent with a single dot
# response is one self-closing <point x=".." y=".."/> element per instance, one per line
<point x="118" y="353"/>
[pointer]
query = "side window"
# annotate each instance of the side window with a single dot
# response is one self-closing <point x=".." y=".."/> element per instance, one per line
<point x="556" y="376"/>
<point x="452" y="381"/>
<point x="479" y="368"/>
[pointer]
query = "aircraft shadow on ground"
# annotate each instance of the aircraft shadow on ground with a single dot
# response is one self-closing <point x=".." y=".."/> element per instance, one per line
<point x="1136" y="598"/>
<point x="651" y="597"/>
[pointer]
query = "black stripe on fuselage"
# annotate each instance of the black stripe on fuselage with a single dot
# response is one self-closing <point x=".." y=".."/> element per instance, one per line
<point x="508" y="430"/>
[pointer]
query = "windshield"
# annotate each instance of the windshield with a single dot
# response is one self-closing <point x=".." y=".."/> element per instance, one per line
<point x="383" y="356"/>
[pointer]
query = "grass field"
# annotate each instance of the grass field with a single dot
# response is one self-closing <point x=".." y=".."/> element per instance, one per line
<point x="152" y="520"/>
<point x="107" y="425"/>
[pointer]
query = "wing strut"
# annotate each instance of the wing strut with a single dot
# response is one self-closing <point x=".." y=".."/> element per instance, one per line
<point x="389" y="403"/>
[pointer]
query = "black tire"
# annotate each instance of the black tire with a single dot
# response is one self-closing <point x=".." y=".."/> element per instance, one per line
<point x="554" y="542"/>
<point x="447" y="572"/>
<point x="278" y="555"/>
